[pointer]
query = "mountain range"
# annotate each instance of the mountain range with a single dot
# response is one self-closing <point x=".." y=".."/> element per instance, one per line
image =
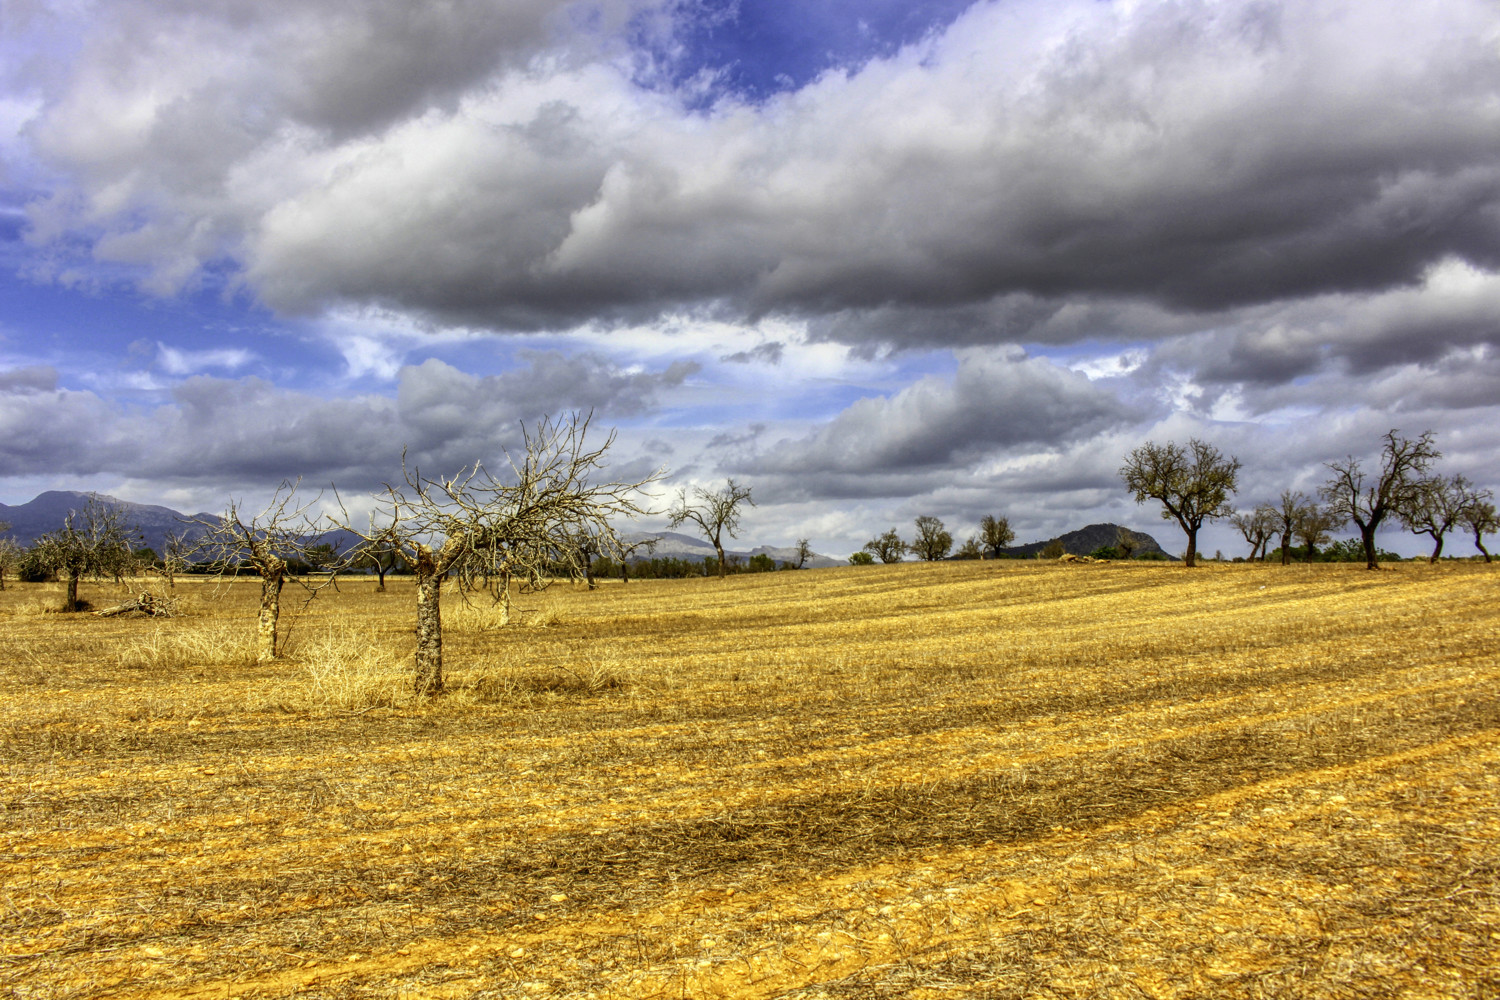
<point x="44" y="513"/>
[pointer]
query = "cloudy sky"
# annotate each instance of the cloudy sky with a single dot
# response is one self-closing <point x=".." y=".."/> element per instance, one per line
<point x="876" y="258"/>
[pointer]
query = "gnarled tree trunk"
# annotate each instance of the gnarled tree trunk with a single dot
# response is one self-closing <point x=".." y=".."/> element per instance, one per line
<point x="428" y="679"/>
<point x="271" y="580"/>
<point x="71" y="603"/>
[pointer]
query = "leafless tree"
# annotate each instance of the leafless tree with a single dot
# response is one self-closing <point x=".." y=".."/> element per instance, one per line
<point x="516" y="527"/>
<point x="10" y="554"/>
<point x="93" y="542"/>
<point x="379" y="555"/>
<point x="1284" y="518"/>
<point x="933" y="542"/>
<point x="628" y="551"/>
<point x="1257" y="526"/>
<point x="1126" y="541"/>
<point x="715" y="512"/>
<point x="888" y="548"/>
<point x="265" y="542"/>
<point x="1315" y="526"/>
<point x="1366" y="500"/>
<point x="1437" y="507"/>
<point x="804" y="552"/>
<point x="1192" y="484"/>
<point x="1480" y="518"/>
<point x="174" y="553"/>
<point x="994" y="535"/>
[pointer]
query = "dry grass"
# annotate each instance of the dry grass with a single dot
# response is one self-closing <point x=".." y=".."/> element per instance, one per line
<point x="981" y="779"/>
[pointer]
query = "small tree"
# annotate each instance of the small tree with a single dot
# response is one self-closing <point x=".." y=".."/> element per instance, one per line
<point x="932" y="542"/>
<point x="715" y="512"/>
<point x="1055" y="549"/>
<point x="1437" y="507"/>
<point x="513" y="528"/>
<point x="1285" y="517"/>
<point x="861" y="558"/>
<point x="267" y="542"/>
<point x="1257" y="527"/>
<point x="888" y="548"/>
<point x="628" y="551"/>
<point x="804" y="552"/>
<point x="174" y="556"/>
<point x="10" y="555"/>
<point x="1192" y="485"/>
<point x="94" y="543"/>
<point x="994" y="535"/>
<point x="1367" y="500"/>
<point x="1315" y="526"/>
<point x="971" y="548"/>
<point x="1126" y="542"/>
<point x="1480" y="518"/>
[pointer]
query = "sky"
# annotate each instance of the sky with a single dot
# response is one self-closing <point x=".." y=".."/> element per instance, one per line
<point x="875" y="259"/>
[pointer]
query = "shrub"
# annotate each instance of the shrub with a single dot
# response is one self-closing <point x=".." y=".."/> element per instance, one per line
<point x="1105" y="552"/>
<point x="861" y="559"/>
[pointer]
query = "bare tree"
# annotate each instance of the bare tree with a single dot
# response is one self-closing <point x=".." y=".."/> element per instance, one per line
<point x="517" y="527"/>
<point x="994" y="535"/>
<point x="93" y="542"/>
<point x="804" y="552"/>
<point x="715" y="512"/>
<point x="10" y="554"/>
<point x="1315" y="525"/>
<point x="888" y="548"/>
<point x="1126" y="541"/>
<point x="628" y="551"/>
<point x="379" y="555"/>
<point x="1437" y="507"/>
<point x="175" y="548"/>
<point x="1284" y="518"/>
<point x="1192" y="485"/>
<point x="932" y="542"/>
<point x="1258" y="526"/>
<point x="1481" y="519"/>
<point x="1367" y="500"/>
<point x="281" y="533"/>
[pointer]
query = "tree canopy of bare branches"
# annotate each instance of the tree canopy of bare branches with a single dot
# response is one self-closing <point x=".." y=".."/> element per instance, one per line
<point x="715" y="512"/>
<point x="887" y="547"/>
<point x="933" y="541"/>
<point x="266" y="542"/>
<point x="1480" y="518"/>
<point x="1315" y="526"/>
<point x="519" y="526"/>
<point x="1192" y="484"/>
<point x="10" y="555"/>
<point x="1368" y="499"/>
<point x="94" y="542"/>
<point x="1438" y="506"/>
<point x="994" y="534"/>
<point x="1257" y="526"/>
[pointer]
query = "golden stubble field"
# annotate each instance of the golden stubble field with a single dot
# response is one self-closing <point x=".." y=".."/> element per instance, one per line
<point x="970" y="779"/>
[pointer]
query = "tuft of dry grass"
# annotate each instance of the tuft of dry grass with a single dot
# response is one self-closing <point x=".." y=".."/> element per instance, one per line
<point x="989" y="779"/>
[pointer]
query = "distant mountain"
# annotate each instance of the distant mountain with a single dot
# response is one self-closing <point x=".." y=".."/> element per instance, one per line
<point x="676" y="545"/>
<point x="1086" y="540"/>
<point x="46" y="512"/>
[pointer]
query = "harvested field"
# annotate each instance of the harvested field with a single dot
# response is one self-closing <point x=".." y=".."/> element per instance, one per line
<point x="967" y="779"/>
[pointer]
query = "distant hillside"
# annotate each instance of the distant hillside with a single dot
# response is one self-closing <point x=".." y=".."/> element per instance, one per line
<point x="676" y="545"/>
<point x="29" y="521"/>
<point x="1086" y="540"/>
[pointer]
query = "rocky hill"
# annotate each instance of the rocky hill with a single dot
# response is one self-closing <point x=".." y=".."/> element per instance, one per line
<point x="1086" y="540"/>
<point x="44" y="513"/>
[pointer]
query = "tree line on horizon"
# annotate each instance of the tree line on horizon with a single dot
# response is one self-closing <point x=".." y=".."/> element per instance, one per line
<point x="1194" y="485"/>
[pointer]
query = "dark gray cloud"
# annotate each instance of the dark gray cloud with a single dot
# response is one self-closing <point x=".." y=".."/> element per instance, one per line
<point x="1004" y="179"/>
<point x="769" y="353"/>
<point x="239" y="431"/>
<point x="994" y="403"/>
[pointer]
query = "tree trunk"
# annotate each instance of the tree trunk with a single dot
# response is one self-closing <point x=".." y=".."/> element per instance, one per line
<point x="1479" y="544"/>
<point x="1367" y="538"/>
<point x="429" y="662"/>
<point x="723" y="566"/>
<point x="588" y="570"/>
<point x="380" y="573"/>
<point x="1312" y="552"/>
<point x="1286" y="551"/>
<point x="1191" y="559"/>
<point x="1437" y="550"/>
<point x="270" y="611"/>
<point x="71" y="604"/>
